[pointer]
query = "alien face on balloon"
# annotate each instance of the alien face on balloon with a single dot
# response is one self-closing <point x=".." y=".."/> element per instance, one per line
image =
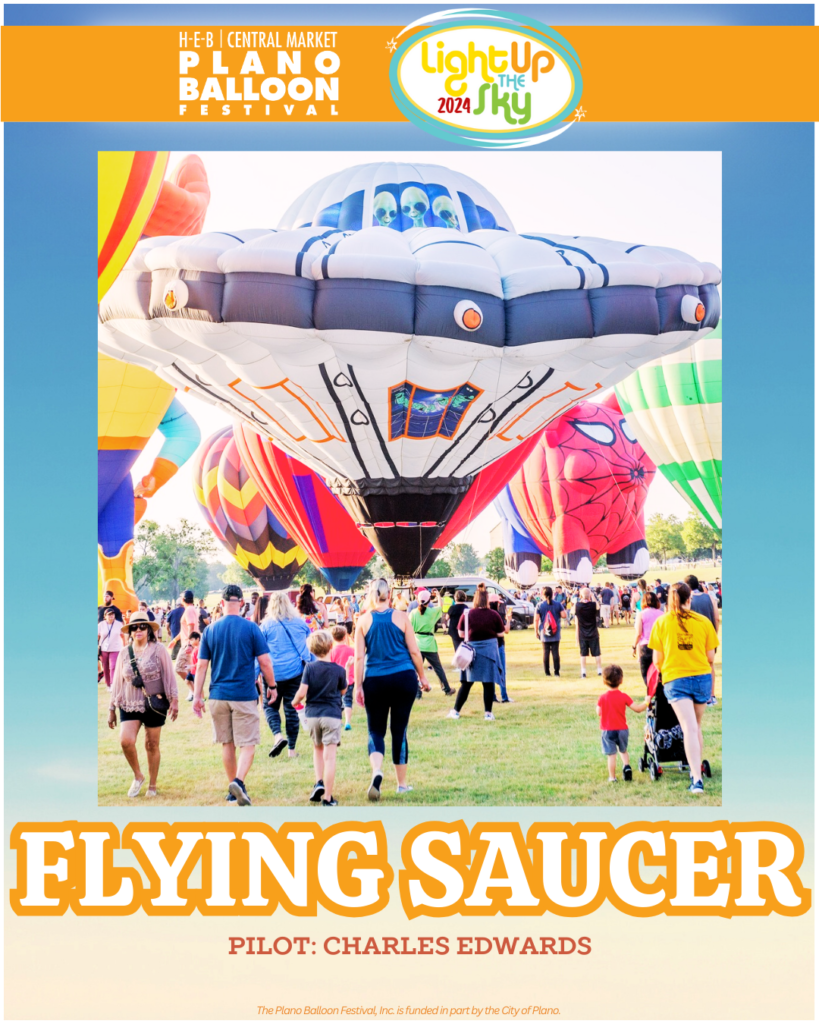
<point x="384" y="209"/>
<point x="414" y="204"/>
<point x="444" y="208"/>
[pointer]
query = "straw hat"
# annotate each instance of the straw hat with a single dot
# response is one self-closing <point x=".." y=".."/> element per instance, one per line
<point x="139" y="618"/>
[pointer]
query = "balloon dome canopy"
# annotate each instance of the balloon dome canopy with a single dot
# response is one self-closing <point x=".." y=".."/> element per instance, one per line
<point x="397" y="196"/>
<point x="400" y="362"/>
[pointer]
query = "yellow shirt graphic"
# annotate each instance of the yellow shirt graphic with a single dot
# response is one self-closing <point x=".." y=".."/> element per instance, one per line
<point x="683" y="647"/>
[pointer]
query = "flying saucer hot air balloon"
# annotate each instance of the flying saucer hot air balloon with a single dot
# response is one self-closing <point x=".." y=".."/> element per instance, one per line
<point x="239" y="516"/>
<point x="399" y="355"/>
<point x="674" y="406"/>
<point x="522" y="556"/>
<point x="132" y="404"/>
<point x="581" y="493"/>
<point x="304" y="503"/>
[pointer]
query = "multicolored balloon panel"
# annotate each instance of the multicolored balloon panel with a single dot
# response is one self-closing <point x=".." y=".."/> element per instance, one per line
<point x="128" y="188"/>
<point x="132" y="404"/>
<point x="674" y="406"/>
<point x="581" y="493"/>
<point x="522" y="556"/>
<point x="239" y="517"/>
<point x="310" y="510"/>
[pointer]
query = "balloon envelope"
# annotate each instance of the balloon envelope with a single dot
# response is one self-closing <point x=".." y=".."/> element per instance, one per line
<point x="399" y="363"/>
<point x="581" y="493"/>
<point x="239" y="517"/>
<point x="522" y="556"/>
<point x="311" y="512"/>
<point x="674" y="406"/>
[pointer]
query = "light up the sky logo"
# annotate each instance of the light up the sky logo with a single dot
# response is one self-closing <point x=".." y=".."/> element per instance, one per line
<point x="485" y="78"/>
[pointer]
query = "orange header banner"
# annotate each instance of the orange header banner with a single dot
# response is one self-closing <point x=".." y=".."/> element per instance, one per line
<point x="157" y="73"/>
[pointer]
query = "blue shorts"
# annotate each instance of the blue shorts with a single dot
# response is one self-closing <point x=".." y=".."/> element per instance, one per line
<point x="614" y="740"/>
<point x="696" y="688"/>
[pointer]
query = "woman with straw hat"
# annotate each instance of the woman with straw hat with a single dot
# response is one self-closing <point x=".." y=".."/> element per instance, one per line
<point x="144" y="690"/>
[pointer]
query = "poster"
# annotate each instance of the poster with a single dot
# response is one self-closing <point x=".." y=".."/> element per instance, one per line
<point x="512" y="881"/>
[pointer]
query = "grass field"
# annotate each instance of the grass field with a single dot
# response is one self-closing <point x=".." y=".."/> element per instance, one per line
<point x="543" y="750"/>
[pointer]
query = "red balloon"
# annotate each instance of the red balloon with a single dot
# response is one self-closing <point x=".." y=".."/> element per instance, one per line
<point x="308" y="509"/>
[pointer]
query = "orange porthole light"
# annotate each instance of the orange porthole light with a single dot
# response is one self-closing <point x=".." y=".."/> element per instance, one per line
<point x="692" y="310"/>
<point x="468" y="315"/>
<point x="176" y="295"/>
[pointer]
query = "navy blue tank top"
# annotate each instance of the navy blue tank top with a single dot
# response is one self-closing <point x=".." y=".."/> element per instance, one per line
<point x="386" y="647"/>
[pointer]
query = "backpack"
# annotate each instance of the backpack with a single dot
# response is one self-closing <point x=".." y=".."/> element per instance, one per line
<point x="549" y="623"/>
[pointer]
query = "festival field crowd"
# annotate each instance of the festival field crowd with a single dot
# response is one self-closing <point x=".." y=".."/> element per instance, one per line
<point x="316" y="660"/>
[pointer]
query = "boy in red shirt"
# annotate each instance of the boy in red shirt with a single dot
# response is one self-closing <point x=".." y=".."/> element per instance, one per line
<point x="611" y="708"/>
<point x="344" y="655"/>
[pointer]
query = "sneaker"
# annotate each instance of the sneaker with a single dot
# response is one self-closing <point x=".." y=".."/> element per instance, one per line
<point x="627" y="772"/>
<point x="612" y="780"/>
<point x="374" y="792"/>
<point x="403" y="789"/>
<point x="237" y="788"/>
<point x="600" y="671"/>
<point x="278" y="747"/>
<point x="189" y="698"/>
<point x="557" y="675"/>
<point x="347" y="727"/>
<point x="318" y="792"/>
<point x="488" y="716"/>
<point x="332" y="802"/>
<point x="136" y="786"/>
<point x="582" y="675"/>
<point x="711" y="702"/>
<point x="696" y="788"/>
<point x="230" y="799"/>
<point x="507" y="700"/>
<point x="454" y="714"/>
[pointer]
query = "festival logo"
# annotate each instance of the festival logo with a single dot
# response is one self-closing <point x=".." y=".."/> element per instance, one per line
<point x="485" y="78"/>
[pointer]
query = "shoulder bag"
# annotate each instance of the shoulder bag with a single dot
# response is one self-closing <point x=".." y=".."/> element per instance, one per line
<point x="157" y="702"/>
<point x="465" y="654"/>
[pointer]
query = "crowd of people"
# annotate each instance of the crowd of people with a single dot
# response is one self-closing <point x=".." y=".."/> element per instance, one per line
<point x="315" y="660"/>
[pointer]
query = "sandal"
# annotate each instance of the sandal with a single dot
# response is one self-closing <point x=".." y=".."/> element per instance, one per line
<point x="136" y="786"/>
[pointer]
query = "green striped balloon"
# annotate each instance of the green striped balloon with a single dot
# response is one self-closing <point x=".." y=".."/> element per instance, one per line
<point x="674" y="407"/>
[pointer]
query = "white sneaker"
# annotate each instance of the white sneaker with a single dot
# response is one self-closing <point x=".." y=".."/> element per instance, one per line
<point x="454" y="714"/>
<point x="488" y="716"/>
<point x="404" y="789"/>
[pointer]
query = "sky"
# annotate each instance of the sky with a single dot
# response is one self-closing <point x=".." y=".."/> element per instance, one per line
<point x="669" y="199"/>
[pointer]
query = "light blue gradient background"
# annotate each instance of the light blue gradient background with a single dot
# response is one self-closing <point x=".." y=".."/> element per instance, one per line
<point x="50" y="420"/>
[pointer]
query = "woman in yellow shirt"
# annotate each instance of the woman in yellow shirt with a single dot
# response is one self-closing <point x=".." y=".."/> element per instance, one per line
<point x="684" y="644"/>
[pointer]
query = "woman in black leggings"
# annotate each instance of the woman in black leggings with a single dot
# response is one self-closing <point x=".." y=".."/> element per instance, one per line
<point x="388" y="668"/>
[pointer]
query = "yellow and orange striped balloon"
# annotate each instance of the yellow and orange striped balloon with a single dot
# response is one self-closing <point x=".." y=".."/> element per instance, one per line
<point x="128" y="188"/>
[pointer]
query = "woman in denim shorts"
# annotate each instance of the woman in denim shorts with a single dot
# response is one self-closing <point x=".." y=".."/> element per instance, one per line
<point x="684" y="645"/>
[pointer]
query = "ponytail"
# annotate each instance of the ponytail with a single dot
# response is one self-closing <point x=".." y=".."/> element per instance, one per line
<point x="680" y="595"/>
<point x="481" y="599"/>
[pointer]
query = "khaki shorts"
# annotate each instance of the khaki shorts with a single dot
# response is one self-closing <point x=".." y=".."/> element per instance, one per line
<point x="324" y="732"/>
<point x="235" y="721"/>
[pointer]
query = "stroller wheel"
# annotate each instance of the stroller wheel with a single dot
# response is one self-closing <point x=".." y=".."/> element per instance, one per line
<point x="654" y="771"/>
<point x="706" y="769"/>
<point x="642" y="764"/>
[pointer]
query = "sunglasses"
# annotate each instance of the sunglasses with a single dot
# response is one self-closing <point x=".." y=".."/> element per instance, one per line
<point x="140" y="627"/>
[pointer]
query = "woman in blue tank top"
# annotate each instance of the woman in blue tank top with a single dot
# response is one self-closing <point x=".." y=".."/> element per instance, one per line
<point x="388" y="668"/>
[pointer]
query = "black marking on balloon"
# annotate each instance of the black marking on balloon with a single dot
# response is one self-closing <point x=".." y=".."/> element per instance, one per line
<point x="341" y="380"/>
<point x="325" y="376"/>
<point x="526" y="382"/>
<point x="306" y="246"/>
<point x="359" y="419"/>
<point x="381" y="442"/>
<point x="470" y="425"/>
<point x="326" y="259"/>
<point x="487" y="416"/>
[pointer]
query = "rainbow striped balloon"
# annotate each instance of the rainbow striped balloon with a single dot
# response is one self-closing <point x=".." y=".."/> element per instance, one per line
<point x="128" y="188"/>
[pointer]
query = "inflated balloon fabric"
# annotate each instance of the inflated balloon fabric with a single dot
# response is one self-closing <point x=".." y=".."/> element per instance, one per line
<point x="581" y="493"/>
<point x="674" y="406"/>
<point x="239" y="516"/>
<point x="307" y="507"/>
<point x="522" y="556"/>
<point x="399" y="363"/>
<point x="132" y="404"/>
<point x="128" y="188"/>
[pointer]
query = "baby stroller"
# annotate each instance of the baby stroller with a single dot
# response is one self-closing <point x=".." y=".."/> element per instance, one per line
<point x="663" y="737"/>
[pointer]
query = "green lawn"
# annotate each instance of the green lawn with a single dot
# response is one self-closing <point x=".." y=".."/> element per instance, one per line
<point x="542" y="750"/>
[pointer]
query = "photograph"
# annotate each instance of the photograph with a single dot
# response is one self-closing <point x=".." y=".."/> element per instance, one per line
<point x="444" y="424"/>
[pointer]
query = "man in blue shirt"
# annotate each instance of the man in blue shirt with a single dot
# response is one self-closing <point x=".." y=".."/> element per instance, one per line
<point x="230" y="646"/>
<point x="547" y="629"/>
